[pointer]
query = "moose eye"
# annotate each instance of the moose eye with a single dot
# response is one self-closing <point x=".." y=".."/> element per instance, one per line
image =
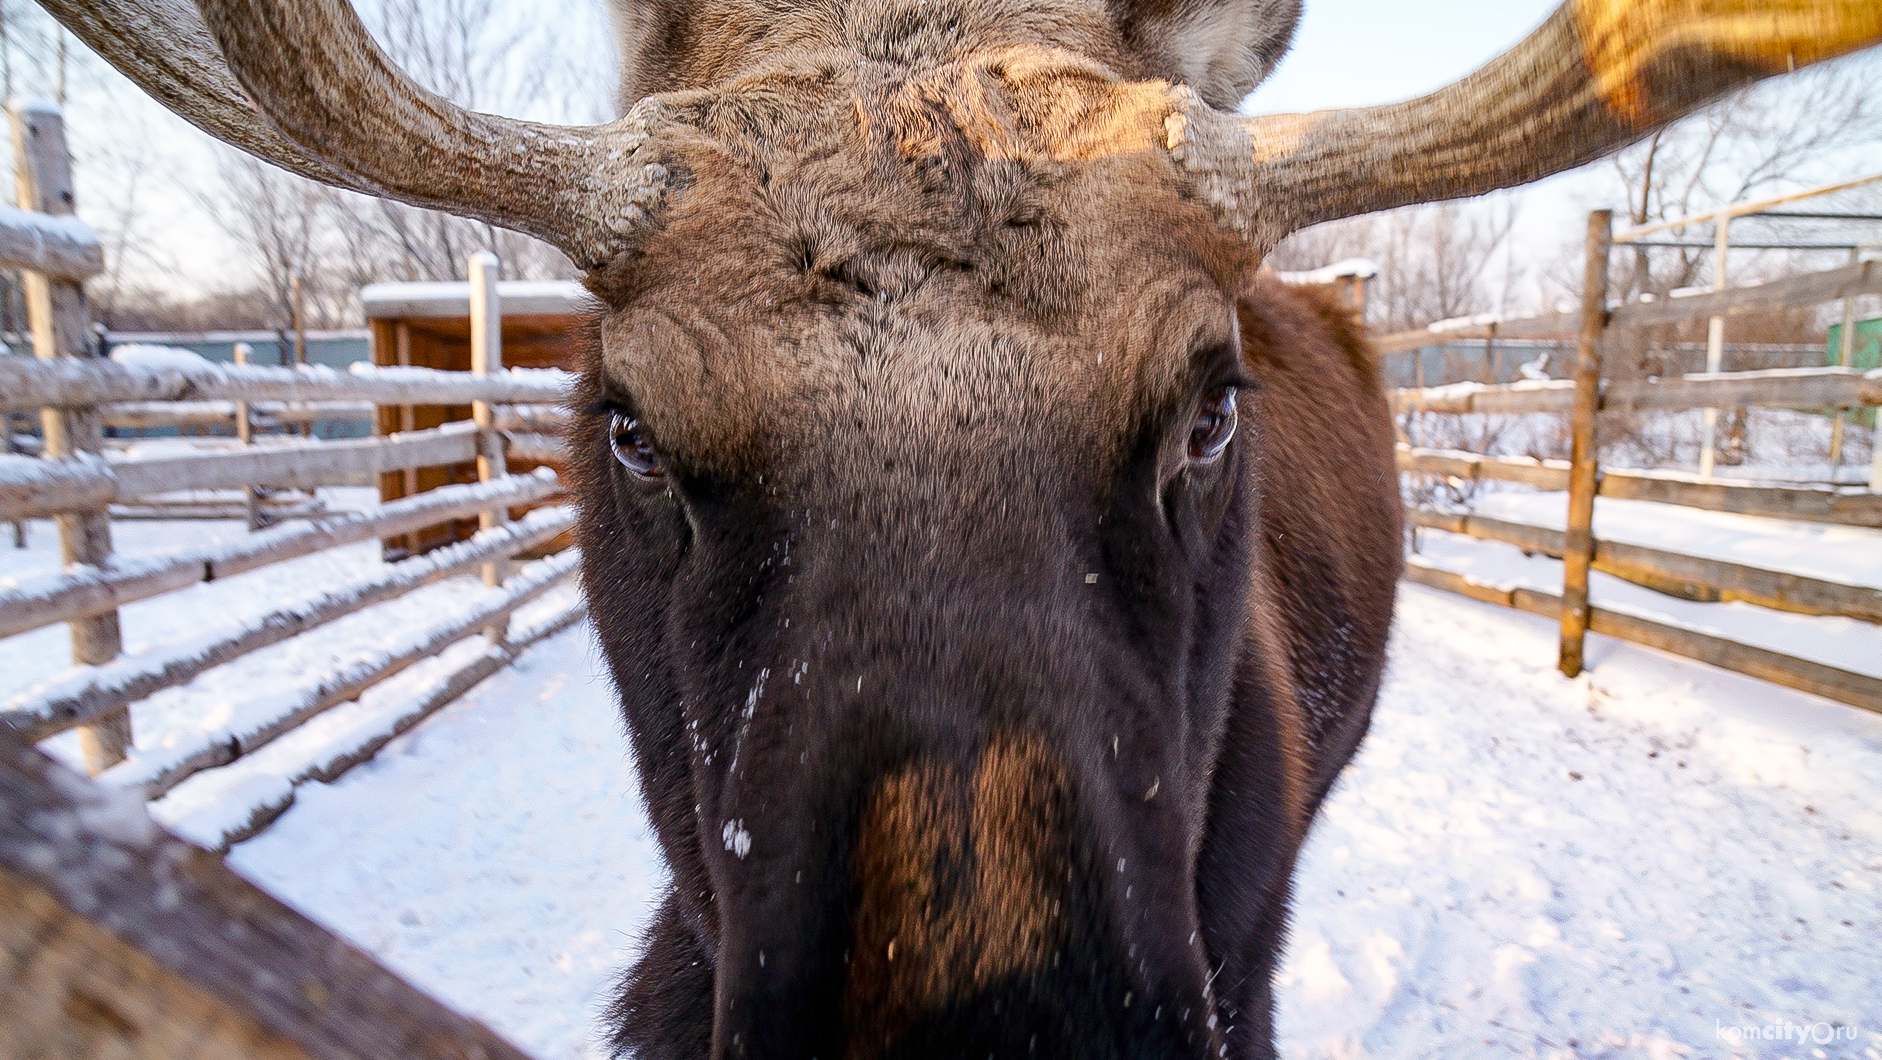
<point x="1215" y="425"/>
<point x="630" y="446"/>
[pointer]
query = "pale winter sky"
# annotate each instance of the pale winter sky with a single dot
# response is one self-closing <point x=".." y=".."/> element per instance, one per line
<point x="1357" y="52"/>
<point x="1348" y="52"/>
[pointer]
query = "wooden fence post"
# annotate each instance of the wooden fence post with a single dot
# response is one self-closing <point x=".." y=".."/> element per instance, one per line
<point x="61" y="323"/>
<point x="1715" y="346"/>
<point x="486" y="319"/>
<point x="244" y="436"/>
<point x="6" y="446"/>
<point x="1578" y="553"/>
<point x="1844" y="355"/>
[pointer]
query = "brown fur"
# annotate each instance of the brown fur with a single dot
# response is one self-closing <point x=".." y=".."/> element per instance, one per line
<point x="932" y="634"/>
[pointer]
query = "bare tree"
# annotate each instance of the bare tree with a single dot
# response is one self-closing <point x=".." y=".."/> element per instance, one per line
<point x="465" y="51"/>
<point x="285" y="224"/>
<point x="1757" y="141"/>
<point x="1435" y="262"/>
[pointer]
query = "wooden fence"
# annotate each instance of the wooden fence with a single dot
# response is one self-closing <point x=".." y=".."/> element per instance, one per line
<point x="74" y="483"/>
<point x="119" y="938"/>
<point x="90" y="590"/>
<point x="1587" y="399"/>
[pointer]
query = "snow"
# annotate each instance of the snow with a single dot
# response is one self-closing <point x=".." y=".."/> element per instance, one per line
<point x="497" y="855"/>
<point x="1521" y="865"/>
<point x="49" y="228"/>
<point x="1516" y="864"/>
<point x="157" y="358"/>
<point x="1362" y="268"/>
<point x="1818" y="550"/>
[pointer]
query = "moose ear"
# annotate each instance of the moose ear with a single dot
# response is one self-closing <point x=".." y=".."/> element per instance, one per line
<point x="1220" y="48"/>
<point x="651" y="41"/>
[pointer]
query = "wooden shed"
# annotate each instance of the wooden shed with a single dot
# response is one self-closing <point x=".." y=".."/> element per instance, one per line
<point x="428" y="325"/>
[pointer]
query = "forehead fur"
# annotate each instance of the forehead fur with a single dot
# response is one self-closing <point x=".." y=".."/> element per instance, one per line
<point x="1007" y="225"/>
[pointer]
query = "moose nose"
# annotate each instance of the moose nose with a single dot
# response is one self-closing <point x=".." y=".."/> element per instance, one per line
<point x="962" y="880"/>
<point x="972" y="910"/>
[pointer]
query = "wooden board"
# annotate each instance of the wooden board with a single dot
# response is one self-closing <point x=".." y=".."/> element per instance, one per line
<point x="119" y="940"/>
<point x="443" y="343"/>
<point x="1690" y="577"/>
<point x="1846" y="506"/>
<point x="1843" y="686"/>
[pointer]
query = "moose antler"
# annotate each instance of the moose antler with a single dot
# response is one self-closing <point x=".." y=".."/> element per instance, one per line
<point x="339" y="112"/>
<point x="1598" y="75"/>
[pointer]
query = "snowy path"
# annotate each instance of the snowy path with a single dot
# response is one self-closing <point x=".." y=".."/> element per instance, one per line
<point x="1516" y="865"/>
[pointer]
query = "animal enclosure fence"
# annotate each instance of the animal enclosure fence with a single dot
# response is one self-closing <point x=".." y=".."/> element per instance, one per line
<point x="1591" y="402"/>
<point x="74" y="483"/>
<point x="120" y="939"/>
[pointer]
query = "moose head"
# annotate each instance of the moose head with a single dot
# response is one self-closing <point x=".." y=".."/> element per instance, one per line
<point x="995" y="572"/>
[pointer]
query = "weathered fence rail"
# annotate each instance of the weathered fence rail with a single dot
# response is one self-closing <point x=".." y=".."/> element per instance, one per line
<point x="81" y="592"/>
<point x="1783" y="388"/>
<point x="183" y="413"/>
<point x="1792" y="292"/>
<point x="72" y="383"/>
<point x="1805" y="675"/>
<point x="1845" y="506"/>
<point x="30" y="488"/>
<point x="119" y="936"/>
<point x="1587" y="399"/>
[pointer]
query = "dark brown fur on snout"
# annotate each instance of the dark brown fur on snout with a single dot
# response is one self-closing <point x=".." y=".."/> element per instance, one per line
<point x="974" y="713"/>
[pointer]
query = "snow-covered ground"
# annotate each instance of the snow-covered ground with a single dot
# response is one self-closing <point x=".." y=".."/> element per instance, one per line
<point x="1628" y="864"/>
<point x="1641" y="862"/>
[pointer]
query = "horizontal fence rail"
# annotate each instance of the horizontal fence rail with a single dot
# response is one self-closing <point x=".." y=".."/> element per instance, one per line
<point x="1806" y="675"/>
<point x="158" y="772"/>
<point x="1692" y="575"/>
<point x="1788" y="388"/>
<point x="1793" y="292"/>
<point x="85" y="591"/>
<point x="70" y="383"/>
<point x="145" y="414"/>
<point x="1844" y="506"/>
<point x="95" y="691"/>
<point x="63" y="247"/>
<point x="31" y="487"/>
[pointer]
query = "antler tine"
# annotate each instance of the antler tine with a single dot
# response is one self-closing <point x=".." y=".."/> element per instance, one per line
<point x="327" y="104"/>
<point x="187" y="75"/>
<point x="1598" y="75"/>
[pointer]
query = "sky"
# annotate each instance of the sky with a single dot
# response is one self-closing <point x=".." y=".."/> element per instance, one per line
<point x="137" y="160"/>
<point x="1358" y="52"/>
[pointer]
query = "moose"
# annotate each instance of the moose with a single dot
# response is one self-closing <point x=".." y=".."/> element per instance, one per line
<point x="994" y="568"/>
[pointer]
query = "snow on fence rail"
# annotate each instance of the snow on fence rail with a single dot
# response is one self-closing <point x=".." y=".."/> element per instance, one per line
<point x="71" y="383"/>
<point x="65" y="247"/>
<point x="1791" y="292"/>
<point x="85" y="695"/>
<point x="75" y="482"/>
<point x="85" y="591"/>
<point x="1782" y="388"/>
<point x="32" y="487"/>
<point x="1587" y="396"/>
<point x="1844" y="505"/>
